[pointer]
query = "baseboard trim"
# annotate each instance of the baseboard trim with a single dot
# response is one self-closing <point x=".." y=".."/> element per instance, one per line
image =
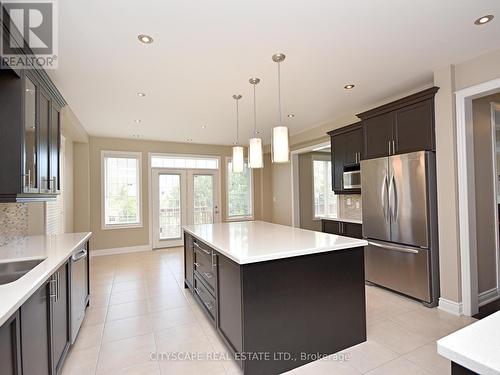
<point x="120" y="250"/>
<point x="455" y="308"/>
<point x="488" y="296"/>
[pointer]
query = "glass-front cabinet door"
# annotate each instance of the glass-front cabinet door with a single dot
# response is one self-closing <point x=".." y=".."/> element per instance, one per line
<point x="30" y="175"/>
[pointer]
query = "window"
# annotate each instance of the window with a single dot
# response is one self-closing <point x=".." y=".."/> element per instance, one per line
<point x="184" y="162"/>
<point x="239" y="193"/>
<point x="121" y="189"/>
<point x="325" y="200"/>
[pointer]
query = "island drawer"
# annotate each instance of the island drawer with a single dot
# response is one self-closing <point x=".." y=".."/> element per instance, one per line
<point x="204" y="264"/>
<point x="205" y="297"/>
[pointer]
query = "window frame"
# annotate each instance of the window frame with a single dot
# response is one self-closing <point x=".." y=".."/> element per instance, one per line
<point x="325" y="159"/>
<point x="240" y="217"/>
<point x="121" y="154"/>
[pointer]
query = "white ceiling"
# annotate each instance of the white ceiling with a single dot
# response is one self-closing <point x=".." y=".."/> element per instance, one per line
<point x="205" y="51"/>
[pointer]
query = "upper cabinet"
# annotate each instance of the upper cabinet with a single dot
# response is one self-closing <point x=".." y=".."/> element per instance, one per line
<point x="405" y="125"/>
<point x="30" y="132"/>
<point x="346" y="149"/>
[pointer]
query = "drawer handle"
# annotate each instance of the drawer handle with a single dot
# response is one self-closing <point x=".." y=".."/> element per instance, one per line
<point x="200" y="248"/>
<point x="208" y="305"/>
<point x="208" y="275"/>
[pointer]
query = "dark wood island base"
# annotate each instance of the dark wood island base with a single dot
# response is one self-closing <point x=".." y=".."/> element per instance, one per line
<point x="279" y="314"/>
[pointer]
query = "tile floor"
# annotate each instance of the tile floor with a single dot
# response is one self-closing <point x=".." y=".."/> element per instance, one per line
<point x="139" y="306"/>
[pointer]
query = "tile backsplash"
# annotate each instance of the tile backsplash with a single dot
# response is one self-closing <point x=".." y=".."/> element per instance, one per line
<point x="350" y="206"/>
<point x="13" y="222"/>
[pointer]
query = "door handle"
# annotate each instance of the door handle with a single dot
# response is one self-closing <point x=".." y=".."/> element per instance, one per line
<point x="383" y="198"/>
<point x="393" y="200"/>
<point x="401" y="249"/>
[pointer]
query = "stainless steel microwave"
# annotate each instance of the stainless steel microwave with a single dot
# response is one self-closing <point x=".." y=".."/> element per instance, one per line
<point x="352" y="179"/>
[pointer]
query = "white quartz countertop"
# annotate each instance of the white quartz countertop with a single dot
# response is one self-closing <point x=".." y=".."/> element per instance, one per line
<point x="475" y="347"/>
<point x="259" y="241"/>
<point x="355" y="221"/>
<point x="55" y="250"/>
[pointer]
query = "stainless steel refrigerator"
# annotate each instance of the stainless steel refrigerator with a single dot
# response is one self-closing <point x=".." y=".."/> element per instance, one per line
<point x="400" y="224"/>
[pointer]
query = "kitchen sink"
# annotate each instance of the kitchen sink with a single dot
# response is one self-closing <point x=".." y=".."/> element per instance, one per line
<point x="11" y="271"/>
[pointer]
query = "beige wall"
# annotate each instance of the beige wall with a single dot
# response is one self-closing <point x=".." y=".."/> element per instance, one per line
<point x="68" y="186"/>
<point x="281" y="178"/>
<point x="81" y="180"/>
<point x="485" y="192"/>
<point x="447" y="187"/>
<point x="116" y="238"/>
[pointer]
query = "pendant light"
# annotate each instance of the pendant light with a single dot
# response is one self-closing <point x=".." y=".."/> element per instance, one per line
<point x="255" y="152"/>
<point x="280" y="148"/>
<point x="238" y="159"/>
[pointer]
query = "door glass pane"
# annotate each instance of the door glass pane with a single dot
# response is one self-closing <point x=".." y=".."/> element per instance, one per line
<point x="170" y="206"/>
<point x="30" y="155"/>
<point x="203" y="199"/>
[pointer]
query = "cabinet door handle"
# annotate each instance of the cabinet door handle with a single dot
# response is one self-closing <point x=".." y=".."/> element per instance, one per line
<point x="29" y="178"/>
<point x="389" y="147"/>
<point x="52" y="281"/>
<point x="340" y="227"/>
<point x="200" y="248"/>
<point x="214" y="259"/>
<point x="197" y="265"/>
<point x="393" y="147"/>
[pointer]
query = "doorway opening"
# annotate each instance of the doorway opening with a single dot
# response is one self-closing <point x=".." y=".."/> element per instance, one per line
<point x="478" y="194"/>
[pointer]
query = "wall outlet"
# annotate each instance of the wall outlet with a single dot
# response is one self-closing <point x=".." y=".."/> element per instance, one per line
<point x="358" y="206"/>
<point x="348" y="201"/>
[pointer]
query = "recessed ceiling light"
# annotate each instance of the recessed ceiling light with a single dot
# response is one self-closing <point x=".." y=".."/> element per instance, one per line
<point x="141" y="94"/>
<point x="484" y="19"/>
<point x="146" y="39"/>
<point x="291" y="115"/>
<point x="137" y="121"/>
<point x="349" y="86"/>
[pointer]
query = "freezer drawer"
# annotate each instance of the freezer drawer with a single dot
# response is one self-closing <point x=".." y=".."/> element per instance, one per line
<point x="400" y="268"/>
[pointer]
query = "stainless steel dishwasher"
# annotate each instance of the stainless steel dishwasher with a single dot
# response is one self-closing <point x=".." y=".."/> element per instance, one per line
<point x="79" y="290"/>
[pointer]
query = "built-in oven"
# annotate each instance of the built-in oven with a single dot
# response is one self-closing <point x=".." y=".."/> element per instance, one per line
<point x="351" y="179"/>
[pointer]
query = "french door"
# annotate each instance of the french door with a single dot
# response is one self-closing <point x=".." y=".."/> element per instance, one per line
<point x="180" y="197"/>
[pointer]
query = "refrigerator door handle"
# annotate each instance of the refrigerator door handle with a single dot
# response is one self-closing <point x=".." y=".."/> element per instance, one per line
<point x="401" y="248"/>
<point x="383" y="197"/>
<point x="392" y="202"/>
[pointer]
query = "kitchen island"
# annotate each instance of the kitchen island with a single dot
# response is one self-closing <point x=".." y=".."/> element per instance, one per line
<point x="278" y="296"/>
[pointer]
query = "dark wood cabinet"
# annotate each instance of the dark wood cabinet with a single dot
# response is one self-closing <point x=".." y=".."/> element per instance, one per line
<point x="403" y="126"/>
<point x="414" y="127"/>
<point x="54" y="150"/>
<point x="10" y="350"/>
<point x="378" y="135"/>
<point x="59" y="317"/>
<point x="342" y="228"/>
<point x="346" y="151"/>
<point x="29" y="136"/>
<point x="35" y="333"/>
<point x="188" y="261"/>
<point x="229" y="322"/>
